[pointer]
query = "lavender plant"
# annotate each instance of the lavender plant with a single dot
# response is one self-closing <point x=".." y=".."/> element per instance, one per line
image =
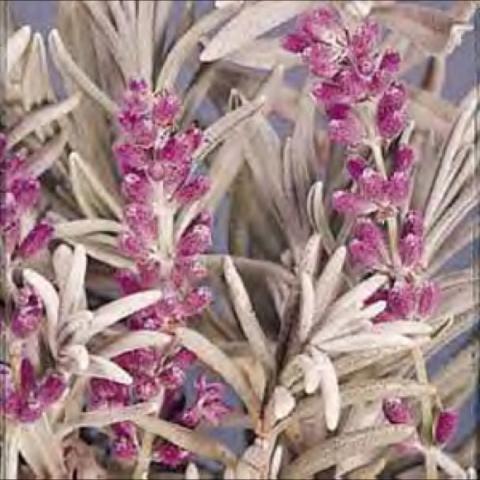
<point x="190" y="242"/>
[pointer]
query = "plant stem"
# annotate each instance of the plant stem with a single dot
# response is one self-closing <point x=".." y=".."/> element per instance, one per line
<point x="144" y="457"/>
<point x="426" y="404"/>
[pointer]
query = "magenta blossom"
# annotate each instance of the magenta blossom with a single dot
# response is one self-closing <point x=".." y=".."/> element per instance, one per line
<point x="445" y="426"/>
<point x="27" y="401"/>
<point x="397" y="411"/>
<point x="209" y="403"/>
<point x="406" y="300"/>
<point x="170" y="455"/>
<point x="159" y="180"/>
<point x="351" y="71"/>
<point x="373" y="193"/>
<point x="20" y="193"/>
<point x="28" y="312"/>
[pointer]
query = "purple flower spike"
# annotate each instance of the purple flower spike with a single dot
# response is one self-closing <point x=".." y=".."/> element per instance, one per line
<point x="445" y="426"/>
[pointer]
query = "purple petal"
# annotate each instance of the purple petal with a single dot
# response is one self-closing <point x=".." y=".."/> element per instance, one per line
<point x="428" y="298"/>
<point x="36" y="240"/>
<point x="397" y="411"/>
<point x="445" y="426"/>
<point x="410" y="248"/>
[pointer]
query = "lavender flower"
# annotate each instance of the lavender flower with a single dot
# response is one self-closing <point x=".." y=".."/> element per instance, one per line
<point x="445" y="426"/>
<point x="159" y="179"/>
<point x="352" y="72"/>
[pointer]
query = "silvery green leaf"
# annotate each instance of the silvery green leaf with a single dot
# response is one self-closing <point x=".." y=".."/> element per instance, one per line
<point x="68" y="67"/>
<point x="16" y="46"/>
<point x="249" y="24"/>
<point x="329" y="282"/>
<point x="133" y="340"/>
<point x="100" y="367"/>
<point x="311" y="254"/>
<point x="77" y="228"/>
<point x="50" y="302"/>
<point x="330" y="388"/>
<point x="452" y="144"/>
<point x="448" y="464"/>
<point x="184" y="46"/>
<point x="191" y="472"/>
<point x="246" y="316"/>
<point x="190" y="440"/>
<point x="356" y="296"/>
<point x="340" y="324"/>
<point x="35" y="81"/>
<point x="365" y="341"/>
<point x="283" y="402"/>
<point x="220" y="129"/>
<point x="405" y="327"/>
<point x="43" y="158"/>
<point x="317" y="216"/>
<point x="108" y="199"/>
<point x="41" y="117"/>
<point x="74" y="358"/>
<point x="74" y="283"/>
<point x="307" y="306"/>
<point x="114" y="311"/>
<point x="103" y="417"/>
<point x="262" y="53"/>
<point x="331" y="451"/>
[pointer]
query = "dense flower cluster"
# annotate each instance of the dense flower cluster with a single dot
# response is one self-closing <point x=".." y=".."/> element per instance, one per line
<point x="158" y="180"/>
<point x="354" y="76"/>
<point x="358" y="89"/>
<point x="23" y="396"/>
